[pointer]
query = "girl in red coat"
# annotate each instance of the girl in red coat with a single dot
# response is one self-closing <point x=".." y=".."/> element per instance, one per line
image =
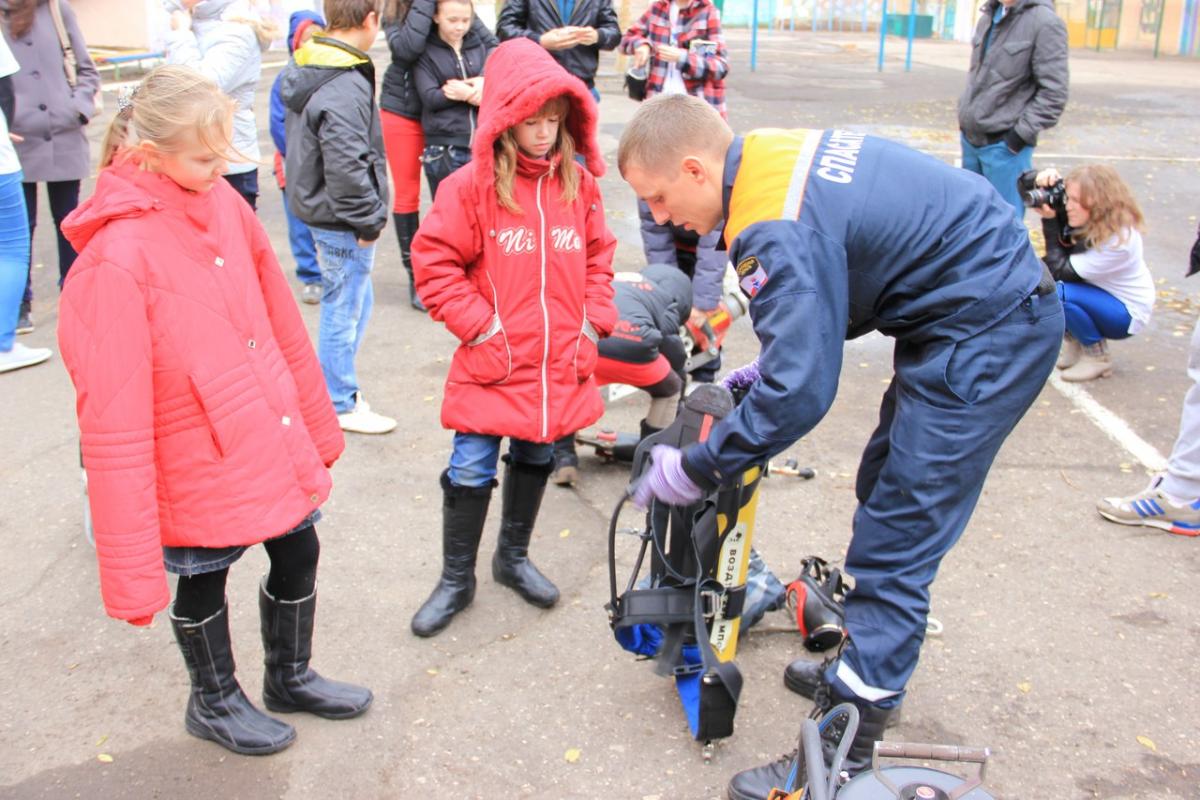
<point x="204" y="420"/>
<point x="516" y="259"/>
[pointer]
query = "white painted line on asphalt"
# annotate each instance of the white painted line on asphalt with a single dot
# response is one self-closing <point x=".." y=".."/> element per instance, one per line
<point x="1078" y="157"/>
<point x="1111" y="424"/>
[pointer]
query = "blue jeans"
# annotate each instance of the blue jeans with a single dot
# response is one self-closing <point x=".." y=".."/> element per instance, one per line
<point x="14" y="255"/>
<point x="1001" y="167"/>
<point x="1092" y="313"/>
<point x="473" y="459"/>
<point x="945" y="415"/>
<point x="346" y="302"/>
<point x="300" y="239"/>
<point x="246" y="184"/>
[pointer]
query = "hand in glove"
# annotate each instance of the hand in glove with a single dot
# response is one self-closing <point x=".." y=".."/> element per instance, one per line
<point x="665" y="480"/>
<point x="742" y="378"/>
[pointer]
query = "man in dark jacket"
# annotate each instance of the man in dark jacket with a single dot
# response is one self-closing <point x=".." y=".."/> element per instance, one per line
<point x="1016" y="88"/>
<point x="574" y="31"/>
<point x="337" y="184"/>
<point x="835" y="234"/>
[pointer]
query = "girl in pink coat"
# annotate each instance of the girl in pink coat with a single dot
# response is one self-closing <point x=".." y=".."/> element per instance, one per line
<point x="516" y="259"/>
<point x="204" y="420"/>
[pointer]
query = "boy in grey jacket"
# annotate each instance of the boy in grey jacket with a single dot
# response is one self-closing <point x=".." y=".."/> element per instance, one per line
<point x="1016" y="88"/>
<point x="337" y="185"/>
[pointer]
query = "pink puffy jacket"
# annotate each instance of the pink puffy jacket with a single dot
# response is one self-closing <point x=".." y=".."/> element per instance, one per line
<point x="203" y="414"/>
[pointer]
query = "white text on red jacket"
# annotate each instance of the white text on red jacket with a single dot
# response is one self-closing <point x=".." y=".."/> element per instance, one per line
<point x="520" y="241"/>
<point x="565" y="240"/>
<point x="516" y="241"/>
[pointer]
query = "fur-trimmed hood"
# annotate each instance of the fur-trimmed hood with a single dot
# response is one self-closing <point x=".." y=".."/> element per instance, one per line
<point x="520" y="76"/>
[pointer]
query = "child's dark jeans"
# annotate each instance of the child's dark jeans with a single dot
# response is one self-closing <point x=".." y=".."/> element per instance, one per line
<point x="440" y="160"/>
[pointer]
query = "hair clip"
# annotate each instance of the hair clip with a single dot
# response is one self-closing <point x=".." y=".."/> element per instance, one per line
<point x="125" y="100"/>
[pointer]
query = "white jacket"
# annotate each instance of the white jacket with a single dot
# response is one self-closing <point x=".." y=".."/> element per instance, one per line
<point x="227" y="52"/>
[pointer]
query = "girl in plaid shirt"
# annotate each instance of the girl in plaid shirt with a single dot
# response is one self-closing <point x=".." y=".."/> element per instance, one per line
<point x="682" y="41"/>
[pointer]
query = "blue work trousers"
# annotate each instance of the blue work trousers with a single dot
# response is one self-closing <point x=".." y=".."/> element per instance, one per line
<point x="14" y="255"/>
<point x="473" y="459"/>
<point x="346" y="301"/>
<point x="1001" y="167"/>
<point x="304" y="250"/>
<point x="945" y="415"/>
<point x="1092" y="313"/>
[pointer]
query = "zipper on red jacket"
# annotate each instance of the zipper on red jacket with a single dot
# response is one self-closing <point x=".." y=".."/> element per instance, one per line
<point x="545" y="313"/>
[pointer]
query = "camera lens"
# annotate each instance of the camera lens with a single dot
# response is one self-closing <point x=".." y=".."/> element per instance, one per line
<point x="1036" y="197"/>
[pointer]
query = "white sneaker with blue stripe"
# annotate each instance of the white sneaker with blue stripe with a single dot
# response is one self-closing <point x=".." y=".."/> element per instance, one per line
<point x="1152" y="508"/>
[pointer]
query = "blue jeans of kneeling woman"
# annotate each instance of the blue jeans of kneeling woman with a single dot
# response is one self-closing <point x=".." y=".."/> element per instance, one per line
<point x="1092" y="313"/>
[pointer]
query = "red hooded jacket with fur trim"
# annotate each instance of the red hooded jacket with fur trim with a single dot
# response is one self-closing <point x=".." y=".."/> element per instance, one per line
<point x="527" y="294"/>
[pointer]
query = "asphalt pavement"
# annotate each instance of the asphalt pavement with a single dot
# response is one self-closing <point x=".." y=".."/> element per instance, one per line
<point x="1068" y="644"/>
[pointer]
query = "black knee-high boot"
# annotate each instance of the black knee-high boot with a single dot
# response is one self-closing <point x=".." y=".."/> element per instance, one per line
<point x="217" y="707"/>
<point x="464" y="510"/>
<point x="524" y="486"/>
<point x="406" y="229"/>
<point x="288" y="683"/>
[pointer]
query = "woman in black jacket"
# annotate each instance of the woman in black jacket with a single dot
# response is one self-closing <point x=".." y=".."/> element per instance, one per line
<point x="407" y="25"/>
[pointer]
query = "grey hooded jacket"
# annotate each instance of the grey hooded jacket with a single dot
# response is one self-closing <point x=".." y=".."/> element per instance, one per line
<point x="229" y="53"/>
<point x="1018" y="87"/>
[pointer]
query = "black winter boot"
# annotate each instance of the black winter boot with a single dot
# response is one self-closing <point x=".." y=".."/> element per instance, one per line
<point x="524" y="485"/>
<point x="406" y="229"/>
<point x="757" y="783"/>
<point x="217" y="707"/>
<point x="804" y="676"/>
<point x="288" y="683"/>
<point x="464" y="510"/>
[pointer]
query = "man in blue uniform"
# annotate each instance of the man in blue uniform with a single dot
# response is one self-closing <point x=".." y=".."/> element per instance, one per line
<point x="835" y="234"/>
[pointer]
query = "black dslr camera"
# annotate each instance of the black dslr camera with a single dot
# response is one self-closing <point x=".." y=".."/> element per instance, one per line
<point x="1034" y="196"/>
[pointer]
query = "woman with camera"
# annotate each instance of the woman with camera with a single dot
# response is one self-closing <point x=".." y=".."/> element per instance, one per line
<point x="1095" y="254"/>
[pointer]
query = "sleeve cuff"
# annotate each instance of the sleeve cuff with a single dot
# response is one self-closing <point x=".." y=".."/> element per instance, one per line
<point x="698" y="473"/>
<point x="1014" y="142"/>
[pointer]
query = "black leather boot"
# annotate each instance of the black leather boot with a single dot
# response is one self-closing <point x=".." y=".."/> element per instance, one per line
<point x="217" y="707"/>
<point x="288" y="683"/>
<point x="756" y="783"/>
<point x="524" y="486"/>
<point x="464" y="510"/>
<point x="406" y="229"/>
<point x="804" y="676"/>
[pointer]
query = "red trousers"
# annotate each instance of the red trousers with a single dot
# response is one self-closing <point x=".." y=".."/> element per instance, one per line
<point x="403" y="141"/>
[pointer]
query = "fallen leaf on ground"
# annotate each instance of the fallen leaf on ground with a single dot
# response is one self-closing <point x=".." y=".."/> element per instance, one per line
<point x="572" y="755"/>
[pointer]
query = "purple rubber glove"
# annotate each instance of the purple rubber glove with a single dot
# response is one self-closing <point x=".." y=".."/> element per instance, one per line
<point x="742" y="378"/>
<point x="665" y="480"/>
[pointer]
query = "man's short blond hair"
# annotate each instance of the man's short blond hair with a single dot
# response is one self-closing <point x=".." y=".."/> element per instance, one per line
<point x="668" y="127"/>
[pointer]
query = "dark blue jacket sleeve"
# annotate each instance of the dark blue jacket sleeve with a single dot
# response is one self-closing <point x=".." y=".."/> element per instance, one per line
<point x="278" y="115"/>
<point x="708" y="285"/>
<point x="800" y="316"/>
